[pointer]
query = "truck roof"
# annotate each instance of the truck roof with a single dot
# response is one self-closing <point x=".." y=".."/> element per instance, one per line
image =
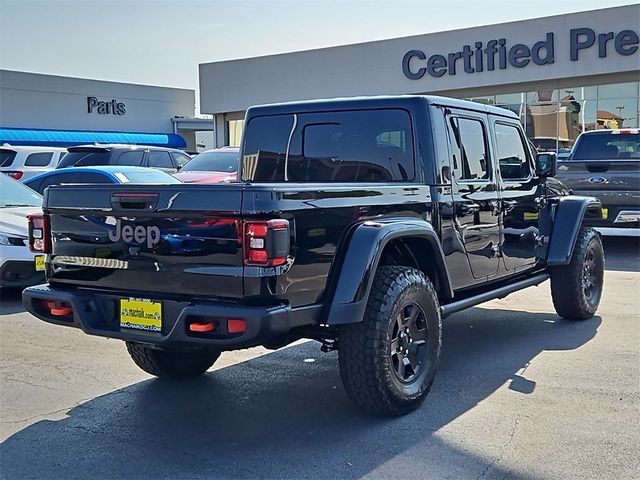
<point x="401" y="101"/>
<point x="615" y="131"/>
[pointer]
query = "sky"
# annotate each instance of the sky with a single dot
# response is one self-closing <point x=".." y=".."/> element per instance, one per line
<point x="159" y="42"/>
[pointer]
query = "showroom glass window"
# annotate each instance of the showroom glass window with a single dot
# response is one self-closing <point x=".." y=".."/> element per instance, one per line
<point x="553" y="118"/>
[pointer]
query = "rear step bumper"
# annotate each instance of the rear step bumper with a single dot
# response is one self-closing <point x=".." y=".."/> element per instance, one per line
<point x="97" y="313"/>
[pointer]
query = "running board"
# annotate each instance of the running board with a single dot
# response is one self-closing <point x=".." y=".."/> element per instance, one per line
<point x="501" y="292"/>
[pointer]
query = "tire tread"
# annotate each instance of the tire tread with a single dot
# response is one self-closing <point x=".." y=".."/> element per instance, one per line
<point x="359" y="344"/>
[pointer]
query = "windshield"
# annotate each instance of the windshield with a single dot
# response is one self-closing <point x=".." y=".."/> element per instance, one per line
<point x="15" y="194"/>
<point x="213" y="162"/>
<point x="608" y="146"/>
<point x="151" y="176"/>
<point x="84" y="159"/>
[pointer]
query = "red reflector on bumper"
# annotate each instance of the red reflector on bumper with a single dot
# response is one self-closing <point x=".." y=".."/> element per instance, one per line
<point x="236" y="325"/>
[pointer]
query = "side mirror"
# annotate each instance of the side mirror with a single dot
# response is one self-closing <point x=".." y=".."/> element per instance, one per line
<point x="546" y="164"/>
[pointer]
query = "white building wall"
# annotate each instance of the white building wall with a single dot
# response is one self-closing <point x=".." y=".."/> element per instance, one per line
<point x="376" y="67"/>
<point x="29" y="100"/>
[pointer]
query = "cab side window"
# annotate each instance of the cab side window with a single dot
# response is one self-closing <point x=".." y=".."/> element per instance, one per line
<point x="38" y="159"/>
<point x="159" y="159"/>
<point x="180" y="158"/>
<point x="469" y="143"/>
<point x="512" y="157"/>
<point x="131" y="158"/>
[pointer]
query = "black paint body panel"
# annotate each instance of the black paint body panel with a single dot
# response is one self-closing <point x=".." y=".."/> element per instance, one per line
<point x="475" y="235"/>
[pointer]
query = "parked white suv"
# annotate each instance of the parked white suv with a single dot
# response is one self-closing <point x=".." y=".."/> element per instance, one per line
<point x="22" y="162"/>
<point x="18" y="266"/>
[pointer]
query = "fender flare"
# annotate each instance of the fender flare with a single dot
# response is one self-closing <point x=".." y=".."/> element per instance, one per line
<point x="360" y="262"/>
<point x="570" y="213"/>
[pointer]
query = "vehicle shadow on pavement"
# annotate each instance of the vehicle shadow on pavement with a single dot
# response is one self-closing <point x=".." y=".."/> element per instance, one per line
<point x="279" y="416"/>
<point x="11" y="301"/>
<point x="622" y="254"/>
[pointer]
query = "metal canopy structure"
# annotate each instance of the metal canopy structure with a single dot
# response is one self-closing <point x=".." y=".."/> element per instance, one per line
<point x="67" y="138"/>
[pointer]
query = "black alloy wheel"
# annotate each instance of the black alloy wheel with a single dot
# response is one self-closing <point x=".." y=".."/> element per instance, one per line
<point x="408" y="345"/>
<point x="576" y="288"/>
<point x="388" y="360"/>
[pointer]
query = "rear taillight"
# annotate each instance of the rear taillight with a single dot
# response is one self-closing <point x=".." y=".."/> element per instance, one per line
<point x="15" y="174"/>
<point x="266" y="243"/>
<point x="39" y="234"/>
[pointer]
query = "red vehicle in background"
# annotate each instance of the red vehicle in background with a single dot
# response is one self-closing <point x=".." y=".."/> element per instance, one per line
<point x="212" y="166"/>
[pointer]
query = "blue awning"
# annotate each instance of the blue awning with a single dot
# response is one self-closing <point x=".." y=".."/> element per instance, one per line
<point x="68" y="138"/>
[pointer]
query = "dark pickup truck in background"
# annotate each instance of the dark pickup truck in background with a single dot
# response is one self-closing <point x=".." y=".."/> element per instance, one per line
<point x="606" y="164"/>
<point x="360" y="223"/>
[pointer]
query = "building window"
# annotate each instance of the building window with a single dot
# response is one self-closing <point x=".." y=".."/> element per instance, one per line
<point x="553" y="118"/>
<point x="235" y="132"/>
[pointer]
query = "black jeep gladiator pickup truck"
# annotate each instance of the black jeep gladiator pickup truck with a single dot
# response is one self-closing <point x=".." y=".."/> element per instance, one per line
<point x="360" y="223"/>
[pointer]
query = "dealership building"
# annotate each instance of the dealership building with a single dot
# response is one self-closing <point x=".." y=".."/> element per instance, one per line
<point x="561" y="75"/>
<point x="51" y="110"/>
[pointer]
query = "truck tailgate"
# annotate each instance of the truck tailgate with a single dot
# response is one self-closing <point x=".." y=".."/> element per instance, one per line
<point x="600" y="175"/>
<point x="170" y="239"/>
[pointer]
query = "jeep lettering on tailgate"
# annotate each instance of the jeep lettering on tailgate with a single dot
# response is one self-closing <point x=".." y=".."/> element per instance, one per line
<point x="138" y="234"/>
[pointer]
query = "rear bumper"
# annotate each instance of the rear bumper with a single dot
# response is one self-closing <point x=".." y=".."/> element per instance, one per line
<point x="622" y="209"/>
<point x="97" y="313"/>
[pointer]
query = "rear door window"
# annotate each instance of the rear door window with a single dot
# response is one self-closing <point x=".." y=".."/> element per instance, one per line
<point x="41" y="159"/>
<point x="181" y="159"/>
<point x="347" y="146"/>
<point x="470" y="153"/>
<point x="84" y="159"/>
<point x="131" y="158"/>
<point x="158" y="159"/>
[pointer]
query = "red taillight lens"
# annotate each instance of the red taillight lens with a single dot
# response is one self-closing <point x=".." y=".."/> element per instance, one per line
<point x="266" y="243"/>
<point x="16" y="175"/>
<point x="39" y="234"/>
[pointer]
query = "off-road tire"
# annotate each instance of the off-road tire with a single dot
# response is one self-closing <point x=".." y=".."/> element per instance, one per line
<point x="367" y="366"/>
<point x="576" y="288"/>
<point x="171" y="363"/>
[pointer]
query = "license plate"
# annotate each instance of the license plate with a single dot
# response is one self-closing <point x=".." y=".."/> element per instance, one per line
<point x="605" y="212"/>
<point x="141" y="314"/>
<point x="39" y="262"/>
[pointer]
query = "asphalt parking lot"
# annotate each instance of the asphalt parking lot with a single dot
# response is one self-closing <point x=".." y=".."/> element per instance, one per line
<point x="519" y="394"/>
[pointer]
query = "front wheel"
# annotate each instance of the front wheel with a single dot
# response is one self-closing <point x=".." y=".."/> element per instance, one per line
<point x="576" y="288"/>
<point x="178" y="364"/>
<point x="388" y="361"/>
